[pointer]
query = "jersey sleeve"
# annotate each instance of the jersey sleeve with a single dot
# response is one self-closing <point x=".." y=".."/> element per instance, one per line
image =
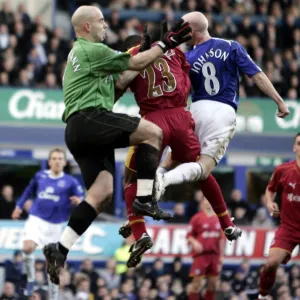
<point x="104" y="59"/>
<point x="192" y="228"/>
<point x="244" y="61"/>
<point x="77" y="189"/>
<point x="134" y="50"/>
<point x="29" y="192"/>
<point x="184" y="63"/>
<point x="274" y="182"/>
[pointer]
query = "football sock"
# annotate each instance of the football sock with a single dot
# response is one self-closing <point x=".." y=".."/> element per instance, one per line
<point x="147" y="160"/>
<point x="81" y="218"/>
<point x="267" y="280"/>
<point x="137" y="223"/>
<point x="53" y="290"/>
<point x="183" y="173"/>
<point x="29" y="261"/>
<point x="212" y="192"/>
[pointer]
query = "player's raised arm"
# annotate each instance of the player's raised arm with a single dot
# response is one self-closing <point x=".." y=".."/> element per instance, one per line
<point x="171" y="39"/>
<point x="125" y="78"/>
<point x="266" y="86"/>
<point x="248" y="66"/>
<point x="140" y="44"/>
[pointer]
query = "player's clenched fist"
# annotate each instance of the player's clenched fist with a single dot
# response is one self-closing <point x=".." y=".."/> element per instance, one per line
<point x="273" y="209"/>
<point x="16" y="213"/>
<point x="283" y="110"/>
<point x="178" y="34"/>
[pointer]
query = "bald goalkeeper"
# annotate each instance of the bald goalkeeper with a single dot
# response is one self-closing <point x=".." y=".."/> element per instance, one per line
<point x="93" y="131"/>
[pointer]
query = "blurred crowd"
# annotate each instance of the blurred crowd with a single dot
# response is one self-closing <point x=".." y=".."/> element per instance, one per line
<point x="244" y="213"/>
<point x="32" y="55"/>
<point x="147" y="282"/>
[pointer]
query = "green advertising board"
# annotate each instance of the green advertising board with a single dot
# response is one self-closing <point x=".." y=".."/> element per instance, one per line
<point x="45" y="107"/>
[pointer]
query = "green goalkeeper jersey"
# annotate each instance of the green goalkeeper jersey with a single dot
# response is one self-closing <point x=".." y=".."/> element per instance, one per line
<point x="90" y="75"/>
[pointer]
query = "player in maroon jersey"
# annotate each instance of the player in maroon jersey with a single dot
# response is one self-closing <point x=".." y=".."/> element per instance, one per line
<point x="207" y="241"/>
<point x="161" y="92"/>
<point x="285" y="180"/>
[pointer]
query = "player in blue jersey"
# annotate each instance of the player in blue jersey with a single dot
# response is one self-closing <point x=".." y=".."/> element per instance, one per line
<point x="216" y="65"/>
<point x="55" y="194"/>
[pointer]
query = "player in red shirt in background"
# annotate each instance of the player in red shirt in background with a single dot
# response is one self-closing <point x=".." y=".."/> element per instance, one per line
<point x="207" y="240"/>
<point x="286" y="181"/>
<point x="161" y="92"/>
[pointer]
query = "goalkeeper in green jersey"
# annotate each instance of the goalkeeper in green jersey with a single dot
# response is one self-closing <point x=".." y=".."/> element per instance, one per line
<point x="93" y="131"/>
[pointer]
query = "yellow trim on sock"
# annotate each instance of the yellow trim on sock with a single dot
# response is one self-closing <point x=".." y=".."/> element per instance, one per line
<point x="223" y="214"/>
<point x="137" y="221"/>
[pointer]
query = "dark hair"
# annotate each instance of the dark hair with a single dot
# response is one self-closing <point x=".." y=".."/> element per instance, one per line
<point x="59" y="150"/>
<point x="298" y="134"/>
<point x="131" y="41"/>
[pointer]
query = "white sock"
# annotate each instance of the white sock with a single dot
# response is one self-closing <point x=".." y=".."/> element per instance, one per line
<point x="69" y="238"/>
<point x="53" y="290"/>
<point x="161" y="170"/>
<point x="144" y="187"/>
<point x="183" y="173"/>
<point x="262" y="297"/>
<point x="29" y="261"/>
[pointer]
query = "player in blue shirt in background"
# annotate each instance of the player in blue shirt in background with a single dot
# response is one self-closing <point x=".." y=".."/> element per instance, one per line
<point x="215" y="73"/>
<point x="54" y="194"/>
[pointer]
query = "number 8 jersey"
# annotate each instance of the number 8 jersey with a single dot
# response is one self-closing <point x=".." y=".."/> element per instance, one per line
<point x="163" y="84"/>
<point x="215" y="67"/>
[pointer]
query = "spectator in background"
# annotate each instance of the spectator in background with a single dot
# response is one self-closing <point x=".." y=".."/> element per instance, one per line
<point x="179" y="271"/>
<point x="193" y="205"/>
<point x="122" y="255"/>
<point x="65" y="293"/>
<point x="4" y="37"/>
<point x="240" y="216"/>
<point x="179" y="214"/>
<point x="262" y="220"/>
<point x="292" y="94"/>
<point x="14" y="271"/>
<point x="82" y="284"/>
<point x="127" y="291"/>
<point x="23" y="14"/>
<point x="158" y="269"/>
<point x="9" y="292"/>
<point x="4" y="80"/>
<point x="144" y="293"/>
<point x="41" y="283"/>
<point x="6" y="16"/>
<point x="109" y="274"/>
<point x="24" y="79"/>
<point x="87" y="268"/>
<point x="7" y="202"/>
<point x="36" y="296"/>
<point x="236" y="201"/>
<point x="38" y="46"/>
<point x="50" y="81"/>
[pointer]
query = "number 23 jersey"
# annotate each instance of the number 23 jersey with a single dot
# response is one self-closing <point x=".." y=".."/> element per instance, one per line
<point x="163" y="84"/>
<point x="215" y="70"/>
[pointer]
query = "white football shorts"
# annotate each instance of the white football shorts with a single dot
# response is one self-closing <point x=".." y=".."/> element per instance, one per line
<point x="215" y="124"/>
<point x="41" y="231"/>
